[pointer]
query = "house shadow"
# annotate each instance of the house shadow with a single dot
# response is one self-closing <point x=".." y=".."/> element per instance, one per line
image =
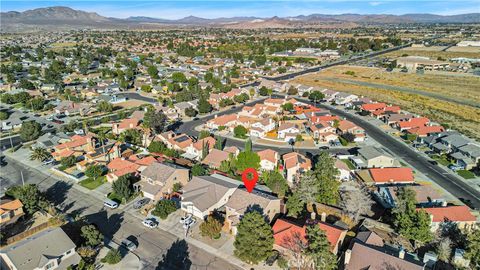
<point x="57" y="193"/>
<point x="177" y="257"/>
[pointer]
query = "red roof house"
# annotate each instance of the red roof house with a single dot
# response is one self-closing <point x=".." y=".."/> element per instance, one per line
<point x="391" y="175"/>
<point x="371" y="107"/>
<point x="459" y="214"/>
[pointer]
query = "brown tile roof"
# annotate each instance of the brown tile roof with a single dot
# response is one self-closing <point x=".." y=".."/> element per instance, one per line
<point x="215" y="158"/>
<point x="10" y="205"/>
<point x="292" y="159"/>
<point x="268" y="154"/>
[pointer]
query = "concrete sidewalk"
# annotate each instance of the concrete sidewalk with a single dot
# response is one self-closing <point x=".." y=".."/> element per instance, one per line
<point x="129" y="260"/>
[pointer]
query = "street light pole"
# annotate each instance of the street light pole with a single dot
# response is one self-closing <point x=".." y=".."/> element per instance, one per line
<point x="23" y="180"/>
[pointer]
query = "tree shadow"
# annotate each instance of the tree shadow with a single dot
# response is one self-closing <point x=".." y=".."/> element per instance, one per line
<point x="57" y="193"/>
<point x="254" y="207"/>
<point x="177" y="257"/>
<point x="107" y="225"/>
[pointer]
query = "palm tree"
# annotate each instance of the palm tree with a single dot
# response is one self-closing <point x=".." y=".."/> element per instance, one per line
<point x="40" y="153"/>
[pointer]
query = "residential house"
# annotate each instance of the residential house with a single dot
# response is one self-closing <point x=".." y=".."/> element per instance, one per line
<point x="261" y="128"/>
<point x="268" y="159"/>
<point x="157" y="180"/>
<point x="393" y="118"/>
<point x="287" y="234"/>
<point x="468" y="156"/>
<point x="345" y="98"/>
<point x="371" y="107"/>
<point x="386" y="176"/>
<point x="195" y="150"/>
<point x="77" y="145"/>
<point x="243" y="201"/>
<point x="413" y="123"/>
<point x="274" y="102"/>
<point x="204" y="194"/>
<point x="295" y="164"/>
<point x="47" y="249"/>
<point x="458" y="214"/>
<point x="125" y="124"/>
<point x="119" y="167"/>
<point x="180" y="107"/>
<point x="10" y="211"/>
<point x="372" y="157"/>
<point x="49" y="140"/>
<point x="425" y="130"/>
<point x="371" y="253"/>
<point x="70" y="108"/>
<point x="215" y="158"/>
<point x="425" y="196"/>
<point x="346" y="126"/>
<point x="14" y="121"/>
<point x="288" y="131"/>
<point x="345" y="174"/>
<point x="227" y="120"/>
<point x="179" y="142"/>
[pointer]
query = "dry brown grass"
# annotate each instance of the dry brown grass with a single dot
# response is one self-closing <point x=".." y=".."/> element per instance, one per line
<point x="433" y="54"/>
<point x="461" y="117"/>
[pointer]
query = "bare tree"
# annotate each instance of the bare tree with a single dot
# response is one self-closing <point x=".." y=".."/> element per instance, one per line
<point x="297" y="244"/>
<point x="444" y="249"/>
<point x="356" y="201"/>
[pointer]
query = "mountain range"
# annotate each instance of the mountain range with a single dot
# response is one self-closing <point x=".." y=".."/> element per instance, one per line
<point x="65" y="18"/>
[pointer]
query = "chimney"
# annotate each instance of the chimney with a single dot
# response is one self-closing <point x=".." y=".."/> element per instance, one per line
<point x="401" y="253"/>
<point x="348" y="255"/>
<point x="444" y="203"/>
<point x="323" y="217"/>
<point x="313" y="215"/>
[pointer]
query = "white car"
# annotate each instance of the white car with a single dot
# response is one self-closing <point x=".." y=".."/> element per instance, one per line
<point x="150" y="223"/>
<point x="189" y="223"/>
<point x="186" y="218"/>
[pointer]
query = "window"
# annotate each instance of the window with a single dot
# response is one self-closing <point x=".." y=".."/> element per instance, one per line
<point x="68" y="252"/>
<point x="50" y="265"/>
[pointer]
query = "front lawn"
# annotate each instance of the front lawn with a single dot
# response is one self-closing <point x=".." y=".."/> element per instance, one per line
<point x="441" y="159"/>
<point x="91" y="183"/>
<point x="349" y="164"/>
<point x="115" y="197"/>
<point x="466" y="174"/>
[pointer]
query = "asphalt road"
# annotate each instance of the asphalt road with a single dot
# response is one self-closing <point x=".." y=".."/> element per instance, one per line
<point x="157" y="249"/>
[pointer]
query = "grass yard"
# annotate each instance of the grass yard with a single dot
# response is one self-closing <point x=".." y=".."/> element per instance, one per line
<point x="423" y="97"/>
<point x="91" y="183"/>
<point x="441" y="159"/>
<point x="466" y="174"/>
<point x="349" y="164"/>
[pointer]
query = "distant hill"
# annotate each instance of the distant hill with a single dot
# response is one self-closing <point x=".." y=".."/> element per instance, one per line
<point x="64" y="18"/>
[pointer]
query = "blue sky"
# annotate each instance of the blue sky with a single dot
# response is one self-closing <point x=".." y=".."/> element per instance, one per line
<point x="217" y="8"/>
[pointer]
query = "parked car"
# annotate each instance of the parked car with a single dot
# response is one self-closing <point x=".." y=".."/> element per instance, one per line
<point x="129" y="244"/>
<point x="110" y="203"/>
<point x="324" y="147"/>
<point x="58" y="121"/>
<point x="270" y="260"/>
<point x="140" y="203"/>
<point x="433" y="162"/>
<point x="48" y="161"/>
<point x="150" y="223"/>
<point x="189" y="223"/>
<point x="186" y="218"/>
<point x="454" y="167"/>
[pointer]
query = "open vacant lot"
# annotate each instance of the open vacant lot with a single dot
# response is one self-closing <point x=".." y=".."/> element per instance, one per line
<point x="449" y="100"/>
<point x="435" y="52"/>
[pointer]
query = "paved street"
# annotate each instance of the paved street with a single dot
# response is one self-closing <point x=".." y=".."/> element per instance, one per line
<point x="157" y="249"/>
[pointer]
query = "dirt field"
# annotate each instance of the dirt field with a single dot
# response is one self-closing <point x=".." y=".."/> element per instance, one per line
<point x="435" y="52"/>
<point x="434" y="91"/>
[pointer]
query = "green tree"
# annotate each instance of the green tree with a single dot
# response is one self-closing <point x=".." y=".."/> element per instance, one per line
<point x="413" y="224"/>
<point x="30" y="130"/>
<point x="104" y="106"/>
<point x="295" y="205"/>
<point x="473" y="248"/>
<point x="31" y="197"/>
<point x="179" y="77"/>
<point x="94" y="171"/>
<point x="68" y="162"/>
<point x="198" y="170"/>
<point x="319" y="249"/>
<point x="26" y="84"/>
<point x="263" y="91"/>
<point x="3" y="115"/>
<point x="276" y="182"/>
<point x="177" y="187"/>
<point x="287" y="106"/>
<point x="211" y="228"/>
<point x="316" y="96"/>
<point x="327" y="186"/>
<point x="240" y="132"/>
<point x="35" y="104"/>
<point x="113" y="257"/>
<point x="254" y="239"/>
<point x="204" y="134"/>
<point x="123" y="187"/>
<point x="155" y="121"/>
<point x="248" y="145"/>
<point x="191" y="112"/>
<point x="164" y="208"/>
<point x="92" y="236"/>
<point x="219" y="143"/>
<point x="40" y="153"/>
<point x="247" y="160"/>
<point x="204" y="106"/>
<point x="133" y="136"/>
<point x="152" y="71"/>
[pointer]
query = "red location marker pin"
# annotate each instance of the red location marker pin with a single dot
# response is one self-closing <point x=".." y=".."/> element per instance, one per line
<point x="250" y="182"/>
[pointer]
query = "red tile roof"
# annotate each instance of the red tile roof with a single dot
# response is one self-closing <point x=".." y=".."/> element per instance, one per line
<point x="268" y="154"/>
<point x="414" y="122"/>
<point x="283" y="230"/>
<point x="424" y="131"/>
<point x="373" y="106"/>
<point x="451" y="213"/>
<point x="388" y="175"/>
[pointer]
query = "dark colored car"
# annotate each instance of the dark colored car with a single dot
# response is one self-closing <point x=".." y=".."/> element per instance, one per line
<point x="58" y="121"/>
<point x="433" y="162"/>
<point x="270" y="260"/>
<point x="324" y="147"/>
